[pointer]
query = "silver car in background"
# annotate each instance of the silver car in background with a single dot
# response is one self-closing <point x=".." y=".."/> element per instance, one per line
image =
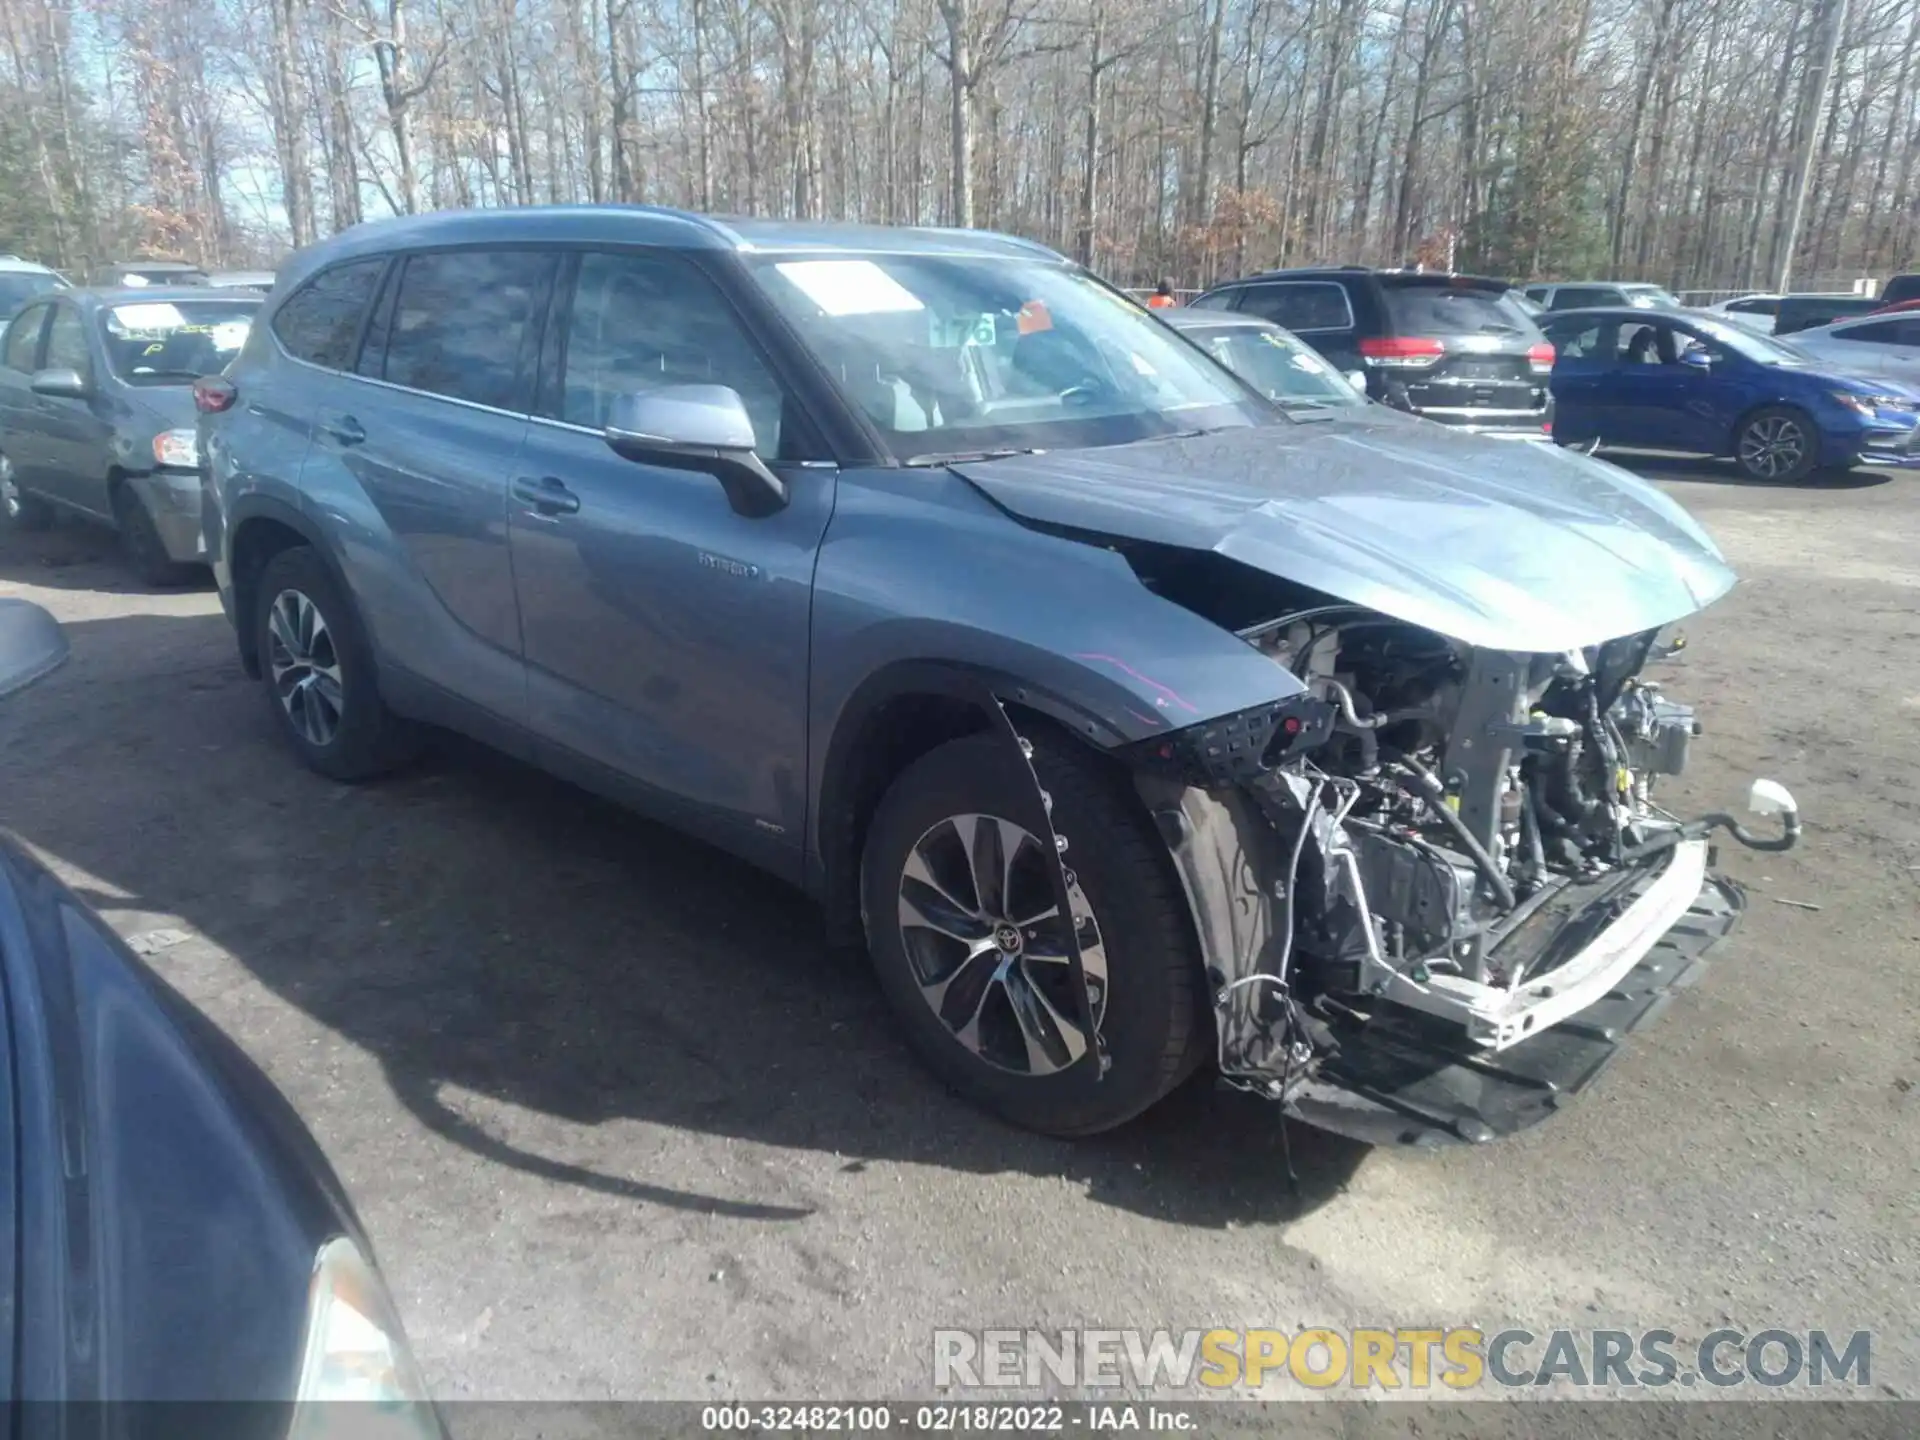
<point x="1882" y="345"/>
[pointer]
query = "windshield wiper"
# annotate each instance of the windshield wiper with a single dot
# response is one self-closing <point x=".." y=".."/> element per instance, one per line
<point x="962" y="457"/>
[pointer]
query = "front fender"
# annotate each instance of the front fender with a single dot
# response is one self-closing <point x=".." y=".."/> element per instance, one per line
<point x="922" y="581"/>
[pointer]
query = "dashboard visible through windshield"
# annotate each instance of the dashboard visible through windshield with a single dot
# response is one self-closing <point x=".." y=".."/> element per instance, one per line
<point x="971" y="354"/>
<point x="172" y="342"/>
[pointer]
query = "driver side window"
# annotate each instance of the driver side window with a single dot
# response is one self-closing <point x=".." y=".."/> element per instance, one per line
<point x="642" y="320"/>
<point x="23" y="338"/>
<point x="67" y="342"/>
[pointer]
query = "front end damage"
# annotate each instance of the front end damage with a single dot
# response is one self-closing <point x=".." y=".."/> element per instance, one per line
<point x="1431" y="882"/>
<point x="1432" y="885"/>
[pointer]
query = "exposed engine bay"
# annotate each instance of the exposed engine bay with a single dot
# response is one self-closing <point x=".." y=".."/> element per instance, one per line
<point x="1464" y="836"/>
<point x="1415" y="807"/>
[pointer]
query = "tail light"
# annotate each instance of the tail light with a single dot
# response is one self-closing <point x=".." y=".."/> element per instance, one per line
<point x="1540" y="357"/>
<point x="1401" y="352"/>
<point x="213" y="393"/>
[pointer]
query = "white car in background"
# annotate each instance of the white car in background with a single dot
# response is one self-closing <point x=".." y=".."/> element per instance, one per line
<point x="1886" y="345"/>
<point x="1755" y="311"/>
<point x="23" y="280"/>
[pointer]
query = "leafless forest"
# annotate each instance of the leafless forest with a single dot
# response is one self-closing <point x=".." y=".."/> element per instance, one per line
<point x="1644" y="138"/>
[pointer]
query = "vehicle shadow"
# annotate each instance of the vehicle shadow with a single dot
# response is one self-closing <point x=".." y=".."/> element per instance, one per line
<point x="74" y="554"/>
<point x="1704" y="470"/>
<point x="498" y="939"/>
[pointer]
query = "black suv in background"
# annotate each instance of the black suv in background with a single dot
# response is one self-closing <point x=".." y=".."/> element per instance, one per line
<point x="1453" y="348"/>
<point x="1803" y="312"/>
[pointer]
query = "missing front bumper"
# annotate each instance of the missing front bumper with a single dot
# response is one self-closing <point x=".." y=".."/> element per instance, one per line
<point x="1397" y="1075"/>
<point x="1406" y="1078"/>
<point x="1497" y="1017"/>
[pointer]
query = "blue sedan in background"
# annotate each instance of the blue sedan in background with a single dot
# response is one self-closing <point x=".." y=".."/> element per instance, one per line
<point x="1686" y="381"/>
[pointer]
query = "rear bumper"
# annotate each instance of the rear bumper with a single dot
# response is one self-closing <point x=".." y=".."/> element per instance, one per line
<point x="172" y="498"/>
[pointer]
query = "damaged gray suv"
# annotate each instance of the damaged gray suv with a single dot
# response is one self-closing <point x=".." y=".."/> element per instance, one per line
<point x="1133" y="723"/>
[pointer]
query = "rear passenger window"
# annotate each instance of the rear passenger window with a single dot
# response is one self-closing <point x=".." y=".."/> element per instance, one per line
<point x="1301" y="305"/>
<point x="465" y="324"/>
<point x="643" y="320"/>
<point x="1570" y="344"/>
<point x="1880" y="332"/>
<point x="1218" y="300"/>
<point x="320" y="323"/>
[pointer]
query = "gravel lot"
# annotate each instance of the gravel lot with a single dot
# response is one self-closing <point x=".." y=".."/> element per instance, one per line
<point x="621" y="1127"/>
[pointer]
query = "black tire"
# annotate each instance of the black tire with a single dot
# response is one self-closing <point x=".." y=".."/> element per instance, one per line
<point x="365" y="738"/>
<point x="1151" y="1018"/>
<point x="20" y="511"/>
<point x="1758" y="445"/>
<point x="140" y="543"/>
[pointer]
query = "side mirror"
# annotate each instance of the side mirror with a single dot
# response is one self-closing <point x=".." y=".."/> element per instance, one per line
<point x="696" y="427"/>
<point x="31" y="644"/>
<point x="1358" y="380"/>
<point x="61" y="384"/>
<point x="1698" y="357"/>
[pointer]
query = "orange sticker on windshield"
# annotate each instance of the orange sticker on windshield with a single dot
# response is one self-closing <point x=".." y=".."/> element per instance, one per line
<point x="1034" y="317"/>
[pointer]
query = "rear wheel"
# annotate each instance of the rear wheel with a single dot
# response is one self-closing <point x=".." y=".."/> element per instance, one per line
<point x="140" y="542"/>
<point x="22" y="512"/>
<point x="972" y="951"/>
<point x="1778" y="443"/>
<point x="318" y="672"/>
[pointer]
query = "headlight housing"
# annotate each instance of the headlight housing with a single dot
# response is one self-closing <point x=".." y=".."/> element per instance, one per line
<point x="1872" y="405"/>
<point x="178" y="448"/>
<point x="355" y="1352"/>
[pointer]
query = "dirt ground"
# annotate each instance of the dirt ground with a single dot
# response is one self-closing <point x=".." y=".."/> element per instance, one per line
<point x="620" y="1126"/>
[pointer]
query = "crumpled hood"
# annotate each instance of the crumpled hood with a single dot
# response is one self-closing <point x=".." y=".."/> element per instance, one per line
<point x="1502" y="544"/>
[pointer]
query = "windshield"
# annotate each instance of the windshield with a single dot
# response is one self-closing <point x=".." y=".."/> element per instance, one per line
<point x="1450" y="309"/>
<point x="1280" y="367"/>
<point x="19" y="286"/>
<point x="1749" y="344"/>
<point x="174" y="342"/>
<point x="962" y="354"/>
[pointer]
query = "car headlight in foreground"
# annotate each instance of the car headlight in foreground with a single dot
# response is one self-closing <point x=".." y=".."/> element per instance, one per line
<point x="357" y="1377"/>
<point x="1871" y="405"/>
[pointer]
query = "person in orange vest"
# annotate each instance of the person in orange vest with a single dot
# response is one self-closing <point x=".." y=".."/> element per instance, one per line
<point x="1162" y="297"/>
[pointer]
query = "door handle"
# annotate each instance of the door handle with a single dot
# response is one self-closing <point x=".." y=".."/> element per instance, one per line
<point x="343" y="428"/>
<point x="546" y="495"/>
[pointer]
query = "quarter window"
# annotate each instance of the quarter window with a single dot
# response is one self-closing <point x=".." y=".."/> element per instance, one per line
<point x="321" y="322"/>
<point x="642" y="320"/>
<point x="465" y="322"/>
<point x="1301" y="306"/>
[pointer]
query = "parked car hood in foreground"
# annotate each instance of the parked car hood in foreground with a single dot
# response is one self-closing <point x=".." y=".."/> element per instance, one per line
<point x="1497" y="544"/>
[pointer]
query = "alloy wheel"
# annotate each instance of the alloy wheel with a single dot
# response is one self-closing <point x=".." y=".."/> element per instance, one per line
<point x="1772" y="446"/>
<point x="305" y="667"/>
<point x="9" y="492"/>
<point x="989" y="946"/>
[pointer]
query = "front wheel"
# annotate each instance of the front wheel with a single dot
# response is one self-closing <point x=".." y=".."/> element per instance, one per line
<point x="1778" y="443"/>
<point x="971" y="949"/>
